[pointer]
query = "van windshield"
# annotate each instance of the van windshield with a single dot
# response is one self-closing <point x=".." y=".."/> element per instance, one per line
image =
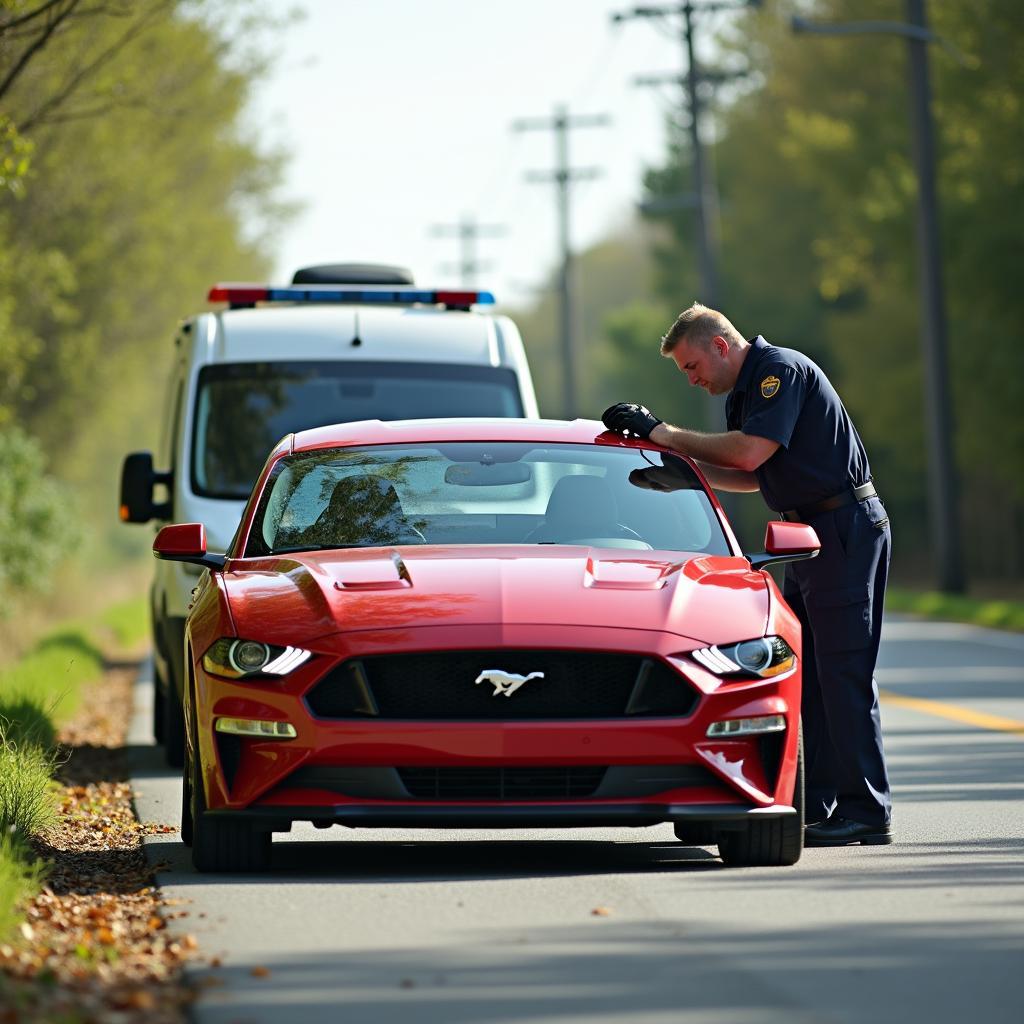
<point x="243" y="409"/>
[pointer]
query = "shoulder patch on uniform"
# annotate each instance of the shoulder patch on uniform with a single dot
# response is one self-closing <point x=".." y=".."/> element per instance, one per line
<point x="769" y="386"/>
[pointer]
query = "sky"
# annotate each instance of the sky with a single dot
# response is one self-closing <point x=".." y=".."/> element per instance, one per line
<point x="397" y="117"/>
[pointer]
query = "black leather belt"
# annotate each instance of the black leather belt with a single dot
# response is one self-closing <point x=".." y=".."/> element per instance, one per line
<point x="848" y="497"/>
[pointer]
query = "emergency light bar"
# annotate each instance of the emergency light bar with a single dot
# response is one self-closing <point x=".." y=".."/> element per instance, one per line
<point x="241" y="295"/>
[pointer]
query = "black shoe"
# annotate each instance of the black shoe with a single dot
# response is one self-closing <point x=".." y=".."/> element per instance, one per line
<point x="844" y="832"/>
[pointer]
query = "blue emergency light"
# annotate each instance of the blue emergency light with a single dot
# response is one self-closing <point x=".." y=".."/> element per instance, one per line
<point x="240" y="295"/>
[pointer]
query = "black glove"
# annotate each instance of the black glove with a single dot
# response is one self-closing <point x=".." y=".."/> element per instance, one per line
<point x="627" y="418"/>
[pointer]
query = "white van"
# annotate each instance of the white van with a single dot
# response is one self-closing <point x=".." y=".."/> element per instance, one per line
<point x="341" y="343"/>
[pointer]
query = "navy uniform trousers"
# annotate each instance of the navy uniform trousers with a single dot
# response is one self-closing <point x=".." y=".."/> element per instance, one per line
<point x="838" y="598"/>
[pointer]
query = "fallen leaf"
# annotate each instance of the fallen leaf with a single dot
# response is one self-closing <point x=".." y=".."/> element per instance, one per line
<point x="260" y="972"/>
<point x="601" y="912"/>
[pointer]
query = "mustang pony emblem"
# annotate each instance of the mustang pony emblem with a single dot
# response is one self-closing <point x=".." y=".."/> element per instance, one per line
<point x="505" y="682"/>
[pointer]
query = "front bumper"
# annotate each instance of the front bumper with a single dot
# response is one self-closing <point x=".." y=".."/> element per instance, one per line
<point x="268" y="780"/>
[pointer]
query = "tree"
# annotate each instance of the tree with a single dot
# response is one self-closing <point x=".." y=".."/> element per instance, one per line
<point x="817" y="239"/>
<point x="144" y="188"/>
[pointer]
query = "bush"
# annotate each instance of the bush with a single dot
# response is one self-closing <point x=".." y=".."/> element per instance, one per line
<point x="37" y="528"/>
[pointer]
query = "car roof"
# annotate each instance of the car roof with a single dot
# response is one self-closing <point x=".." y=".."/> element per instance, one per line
<point x="356" y="333"/>
<point x="373" y="432"/>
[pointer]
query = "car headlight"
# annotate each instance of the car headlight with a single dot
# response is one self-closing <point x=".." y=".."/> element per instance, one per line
<point x="236" y="658"/>
<point x="766" y="656"/>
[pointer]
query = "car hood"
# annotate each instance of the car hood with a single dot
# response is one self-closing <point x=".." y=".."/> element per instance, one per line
<point x="299" y="598"/>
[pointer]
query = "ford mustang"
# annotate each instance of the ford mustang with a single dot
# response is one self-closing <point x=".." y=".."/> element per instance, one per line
<point x="488" y="623"/>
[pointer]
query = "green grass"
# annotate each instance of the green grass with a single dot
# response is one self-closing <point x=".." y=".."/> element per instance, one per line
<point x="51" y="675"/>
<point x="957" y="608"/>
<point x="28" y="801"/>
<point x="128" y="620"/>
<point x="20" y="877"/>
<point x="37" y="692"/>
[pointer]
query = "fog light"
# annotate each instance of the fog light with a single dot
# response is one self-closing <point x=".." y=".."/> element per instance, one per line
<point x="254" y="727"/>
<point x="747" y="726"/>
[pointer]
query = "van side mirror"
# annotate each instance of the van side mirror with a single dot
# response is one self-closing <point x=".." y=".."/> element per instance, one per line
<point x="138" y="478"/>
<point x="786" y="542"/>
<point x="186" y="542"/>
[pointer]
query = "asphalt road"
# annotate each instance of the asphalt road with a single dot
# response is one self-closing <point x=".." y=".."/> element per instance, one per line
<point x="446" y="926"/>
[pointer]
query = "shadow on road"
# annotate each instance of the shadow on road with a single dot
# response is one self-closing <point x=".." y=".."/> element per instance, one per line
<point x="609" y="970"/>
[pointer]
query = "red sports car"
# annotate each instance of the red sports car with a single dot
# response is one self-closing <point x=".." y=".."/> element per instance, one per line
<point x="488" y="623"/>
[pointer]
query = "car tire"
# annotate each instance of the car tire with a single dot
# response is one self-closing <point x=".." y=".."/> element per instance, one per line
<point x="771" y="843"/>
<point x="173" y="728"/>
<point x="220" y="844"/>
<point x="159" y="689"/>
<point x="187" y="831"/>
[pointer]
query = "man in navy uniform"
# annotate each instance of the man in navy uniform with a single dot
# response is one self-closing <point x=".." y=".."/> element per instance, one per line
<point x="789" y="436"/>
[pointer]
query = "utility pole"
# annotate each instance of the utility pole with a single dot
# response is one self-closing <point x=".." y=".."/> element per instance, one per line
<point x="943" y="507"/>
<point x="703" y="199"/>
<point x="564" y="175"/>
<point x="467" y="231"/>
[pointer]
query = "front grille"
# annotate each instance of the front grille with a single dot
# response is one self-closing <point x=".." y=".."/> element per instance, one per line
<point x="441" y="686"/>
<point x="495" y="782"/>
<point x="501" y="783"/>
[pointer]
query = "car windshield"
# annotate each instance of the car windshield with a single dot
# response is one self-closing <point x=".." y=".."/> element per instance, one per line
<point x="243" y="409"/>
<point x="484" y="493"/>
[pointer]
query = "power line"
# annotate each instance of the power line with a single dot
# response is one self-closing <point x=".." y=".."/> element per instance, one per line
<point x="467" y="231"/>
<point x="564" y="175"/>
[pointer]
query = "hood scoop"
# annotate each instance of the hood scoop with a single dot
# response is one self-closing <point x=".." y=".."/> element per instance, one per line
<point x="628" y="574"/>
<point x="387" y="572"/>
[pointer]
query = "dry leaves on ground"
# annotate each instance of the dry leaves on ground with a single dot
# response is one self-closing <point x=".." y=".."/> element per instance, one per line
<point x="94" y="946"/>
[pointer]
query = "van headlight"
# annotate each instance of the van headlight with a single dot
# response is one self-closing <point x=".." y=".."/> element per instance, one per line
<point x="767" y="656"/>
<point x="236" y="658"/>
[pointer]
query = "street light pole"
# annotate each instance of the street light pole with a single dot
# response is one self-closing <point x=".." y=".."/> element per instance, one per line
<point x="705" y="240"/>
<point x="942" y="489"/>
<point x="944" y="519"/>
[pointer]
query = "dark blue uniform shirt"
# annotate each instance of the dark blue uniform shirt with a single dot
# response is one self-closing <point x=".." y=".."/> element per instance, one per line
<point x="784" y="396"/>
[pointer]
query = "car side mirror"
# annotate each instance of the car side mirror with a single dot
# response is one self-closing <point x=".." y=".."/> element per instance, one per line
<point x="786" y="542"/>
<point x="138" y="478"/>
<point x="186" y="542"/>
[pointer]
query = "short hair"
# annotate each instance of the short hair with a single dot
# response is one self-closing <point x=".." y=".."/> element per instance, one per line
<point x="698" y="325"/>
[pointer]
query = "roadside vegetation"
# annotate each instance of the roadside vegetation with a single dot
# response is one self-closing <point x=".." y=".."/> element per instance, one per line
<point x="130" y="180"/>
<point x="817" y="251"/>
<point x="38" y="693"/>
<point x="931" y="604"/>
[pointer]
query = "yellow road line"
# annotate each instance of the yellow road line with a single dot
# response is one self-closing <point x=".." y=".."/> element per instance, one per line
<point x="953" y="711"/>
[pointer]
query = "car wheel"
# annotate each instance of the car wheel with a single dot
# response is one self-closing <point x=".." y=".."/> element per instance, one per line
<point x="220" y="844"/>
<point x="775" y="843"/>
<point x="159" y="689"/>
<point x="187" y="833"/>
<point x="173" y="728"/>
